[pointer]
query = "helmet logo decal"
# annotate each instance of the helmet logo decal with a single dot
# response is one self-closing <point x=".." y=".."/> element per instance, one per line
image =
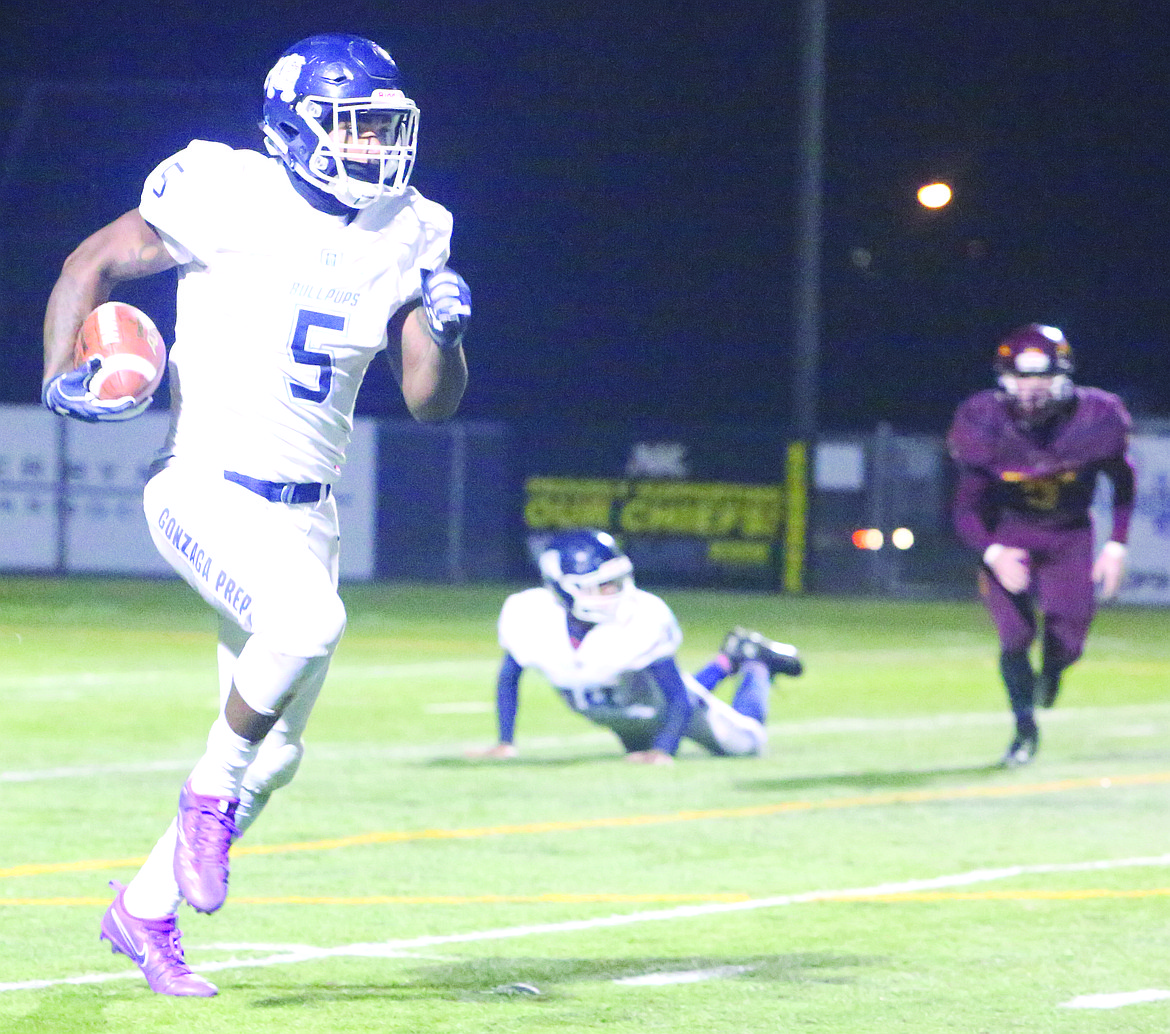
<point x="284" y="76"/>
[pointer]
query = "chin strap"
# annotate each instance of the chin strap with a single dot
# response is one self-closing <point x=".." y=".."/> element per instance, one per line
<point x="320" y="199"/>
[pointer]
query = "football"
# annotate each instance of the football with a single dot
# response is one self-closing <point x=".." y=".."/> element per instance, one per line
<point x="133" y="355"/>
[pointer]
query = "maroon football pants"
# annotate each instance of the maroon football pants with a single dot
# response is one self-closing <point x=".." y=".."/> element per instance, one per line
<point x="1061" y="593"/>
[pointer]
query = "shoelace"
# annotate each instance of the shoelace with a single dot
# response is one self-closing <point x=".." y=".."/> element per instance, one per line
<point x="206" y="835"/>
<point x="166" y="943"/>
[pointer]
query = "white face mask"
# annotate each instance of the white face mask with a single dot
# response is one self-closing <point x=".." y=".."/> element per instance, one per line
<point x="595" y="596"/>
<point x="362" y="149"/>
<point x="602" y="602"/>
<point x="1032" y="395"/>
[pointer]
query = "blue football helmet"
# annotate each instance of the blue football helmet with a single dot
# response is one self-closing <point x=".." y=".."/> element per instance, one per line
<point x="336" y="115"/>
<point x="588" y="573"/>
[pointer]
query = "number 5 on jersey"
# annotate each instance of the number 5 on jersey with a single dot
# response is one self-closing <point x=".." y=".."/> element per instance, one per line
<point x="307" y="319"/>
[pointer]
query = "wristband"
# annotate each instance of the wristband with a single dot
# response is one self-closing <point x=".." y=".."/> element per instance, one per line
<point x="1114" y="548"/>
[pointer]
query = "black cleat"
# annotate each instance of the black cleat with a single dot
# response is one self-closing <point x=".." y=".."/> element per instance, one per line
<point x="1021" y="751"/>
<point x="742" y="644"/>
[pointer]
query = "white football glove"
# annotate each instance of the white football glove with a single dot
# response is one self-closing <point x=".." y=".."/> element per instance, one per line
<point x="1109" y="568"/>
<point x="1009" y="564"/>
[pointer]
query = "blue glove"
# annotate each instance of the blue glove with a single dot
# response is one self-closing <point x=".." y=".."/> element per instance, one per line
<point x="446" y="302"/>
<point x="68" y="394"/>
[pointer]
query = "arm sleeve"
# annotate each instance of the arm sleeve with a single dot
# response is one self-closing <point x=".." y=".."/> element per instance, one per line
<point x="677" y="712"/>
<point x="1121" y="473"/>
<point x="967" y="508"/>
<point x="507" y="697"/>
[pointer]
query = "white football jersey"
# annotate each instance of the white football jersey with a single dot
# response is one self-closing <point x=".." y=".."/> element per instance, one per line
<point x="280" y="308"/>
<point x="532" y="628"/>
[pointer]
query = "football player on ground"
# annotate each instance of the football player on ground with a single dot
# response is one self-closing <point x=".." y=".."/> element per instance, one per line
<point x="609" y="650"/>
<point x="295" y="269"/>
<point x="1028" y="454"/>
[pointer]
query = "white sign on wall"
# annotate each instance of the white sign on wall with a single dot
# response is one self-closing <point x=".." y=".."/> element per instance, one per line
<point x="1147" y="564"/>
<point x="71" y="495"/>
<point x="105" y="469"/>
<point x="29" y="538"/>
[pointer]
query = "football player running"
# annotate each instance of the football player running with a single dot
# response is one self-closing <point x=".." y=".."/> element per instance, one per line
<point x="609" y="650"/>
<point x="1029" y="453"/>
<point x="295" y="269"/>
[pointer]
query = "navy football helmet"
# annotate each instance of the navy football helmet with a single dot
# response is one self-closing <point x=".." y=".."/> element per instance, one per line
<point x="336" y="115"/>
<point x="1034" y="366"/>
<point x="588" y="573"/>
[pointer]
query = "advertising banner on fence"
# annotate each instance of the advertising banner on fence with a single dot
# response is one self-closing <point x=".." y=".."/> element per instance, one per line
<point x="71" y="495"/>
<point x="702" y="507"/>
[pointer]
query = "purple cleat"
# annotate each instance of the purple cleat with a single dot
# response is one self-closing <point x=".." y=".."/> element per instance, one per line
<point x="207" y="828"/>
<point x="154" y="945"/>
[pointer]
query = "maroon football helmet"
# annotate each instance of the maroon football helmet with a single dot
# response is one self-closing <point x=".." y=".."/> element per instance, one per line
<point x="1034" y="364"/>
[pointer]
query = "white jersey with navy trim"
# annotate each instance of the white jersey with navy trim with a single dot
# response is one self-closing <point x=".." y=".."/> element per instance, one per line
<point x="280" y="308"/>
<point x="532" y="628"/>
<point x="605" y="679"/>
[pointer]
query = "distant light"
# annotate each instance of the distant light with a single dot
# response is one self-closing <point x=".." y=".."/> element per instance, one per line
<point x="902" y="538"/>
<point x="934" y="195"/>
<point x="868" y="538"/>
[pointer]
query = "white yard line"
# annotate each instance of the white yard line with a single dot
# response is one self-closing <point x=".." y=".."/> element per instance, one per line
<point x="170" y="676"/>
<point x="460" y="707"/>
<point x="286" y="955"/>
<point x="1115" y="1001"/>
<point x="92" y="771"/>
<point x="815" y="727"/>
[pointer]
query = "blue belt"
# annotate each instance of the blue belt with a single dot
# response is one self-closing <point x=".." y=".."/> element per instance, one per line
<point x="279" y="491"/>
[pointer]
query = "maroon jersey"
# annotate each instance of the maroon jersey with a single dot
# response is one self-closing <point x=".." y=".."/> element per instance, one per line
<point x="1043" y="477"/>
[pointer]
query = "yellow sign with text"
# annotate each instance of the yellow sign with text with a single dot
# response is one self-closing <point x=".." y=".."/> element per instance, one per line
<point x="739" y="522"/>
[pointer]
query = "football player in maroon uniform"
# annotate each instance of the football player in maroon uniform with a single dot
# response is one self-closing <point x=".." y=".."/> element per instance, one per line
<point x="1029" y="453"/>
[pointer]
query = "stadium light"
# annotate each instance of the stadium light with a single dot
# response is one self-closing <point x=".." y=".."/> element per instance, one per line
<point x="934" y="195"/>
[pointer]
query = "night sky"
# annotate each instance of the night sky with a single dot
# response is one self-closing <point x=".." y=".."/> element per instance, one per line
<point x="621" y="178"/>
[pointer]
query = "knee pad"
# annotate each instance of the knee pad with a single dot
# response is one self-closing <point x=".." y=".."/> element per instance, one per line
<point x="752" y="742"/>
<point x="326" y="625"/>
<point x="268" y="681"/>
<point x="304" y="626"/>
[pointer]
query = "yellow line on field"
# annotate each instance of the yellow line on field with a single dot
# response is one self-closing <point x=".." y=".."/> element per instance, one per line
<point x="1076" y="894"/>
<point x="431" y="899"/>
<point x="616" y="821"/>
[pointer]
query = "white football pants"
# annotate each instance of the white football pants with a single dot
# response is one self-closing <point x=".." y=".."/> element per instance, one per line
<point x="270" y="570"/>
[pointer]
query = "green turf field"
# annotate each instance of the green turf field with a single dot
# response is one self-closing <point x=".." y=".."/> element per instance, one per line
<point x="873" y="873"/>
